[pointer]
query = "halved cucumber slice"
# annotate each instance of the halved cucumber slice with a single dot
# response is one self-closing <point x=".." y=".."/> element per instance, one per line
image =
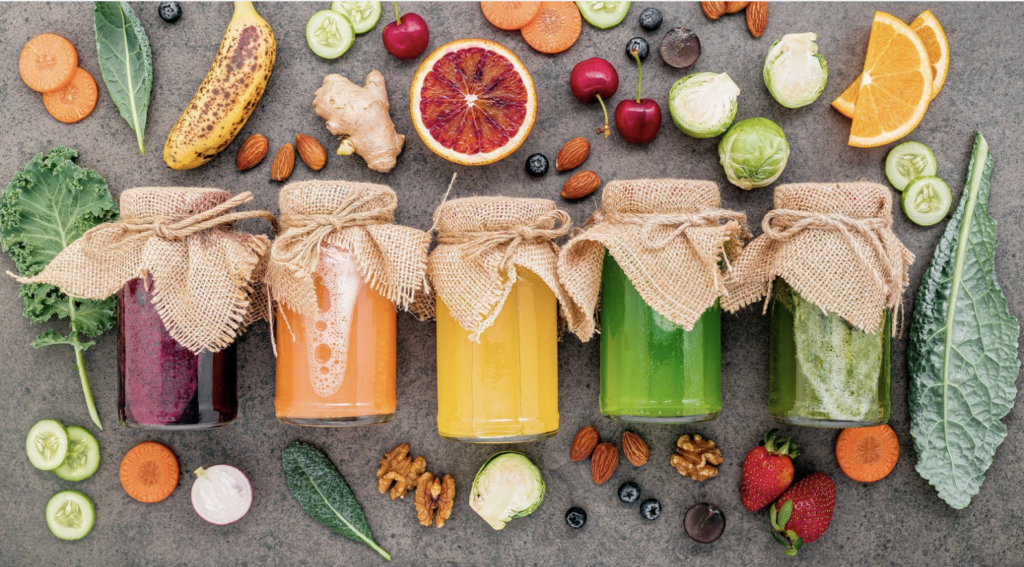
<point x="926" y="200"/>
<point x="83" y="455"/>
<point x="70" y="515"/>
<point x="47" y="445"/>
<point x="363" y="15"/>
<point x="603" y="15"/>
<point x="329" y="34"/>
<point x="908" y="161"/>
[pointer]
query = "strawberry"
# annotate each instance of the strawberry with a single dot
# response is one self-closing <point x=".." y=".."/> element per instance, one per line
<point x="767" y="471"/>
<point x="804" y="512"/>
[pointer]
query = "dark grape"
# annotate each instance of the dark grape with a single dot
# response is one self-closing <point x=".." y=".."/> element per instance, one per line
<point x="680" y="48"/>
<point x="704" y="522"/>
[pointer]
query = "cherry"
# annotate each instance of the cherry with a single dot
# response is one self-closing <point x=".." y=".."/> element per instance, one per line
<point x="638" y="121"/>
<point x="594" y="79"/>
<point x="406" y="37"/>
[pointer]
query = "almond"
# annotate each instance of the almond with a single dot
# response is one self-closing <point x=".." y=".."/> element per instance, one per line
<point x="283" y="164"/>
<point x="735" y="7"/>
<point x="580" y="185"/>
<point x="312" y="153"/>
<point x="757" y="18"/>
<point x="252" y="152"/>
<point x="713" y="10"/>
<point x="573" y="154"/>
<point x="583" y="444"/>
<point x="635" y="449"/>
<point x="603" y="462"/>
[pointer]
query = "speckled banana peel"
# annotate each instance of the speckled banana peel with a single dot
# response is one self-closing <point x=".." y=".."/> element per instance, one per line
<point x="229" y="93"/>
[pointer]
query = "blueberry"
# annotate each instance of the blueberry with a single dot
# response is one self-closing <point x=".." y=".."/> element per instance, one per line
<point x="650" y="19"/>
<point x="537" y="165"/>
<point x="650" y="509"/>
<point x="642" y="48"/>
<point x="575" y="517"/>
<point x="629" y="492"/>
<point x="170" y="11"/>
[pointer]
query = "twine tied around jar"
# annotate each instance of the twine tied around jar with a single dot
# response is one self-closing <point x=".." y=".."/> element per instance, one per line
<point x="476" y="243"/>
<point x="177" y="228"/>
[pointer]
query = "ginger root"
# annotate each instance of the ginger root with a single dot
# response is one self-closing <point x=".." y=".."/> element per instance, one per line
<point x="360" y="115"/>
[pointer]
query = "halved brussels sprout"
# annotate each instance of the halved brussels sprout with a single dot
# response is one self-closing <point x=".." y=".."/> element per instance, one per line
<point x="794" y="72"/>
<point x="507" y="486"/>
<point x="703" y="105"/>
<point x="754" y="152"/>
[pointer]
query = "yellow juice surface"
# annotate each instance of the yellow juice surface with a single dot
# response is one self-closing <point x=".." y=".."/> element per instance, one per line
<point x="504" y="388"/>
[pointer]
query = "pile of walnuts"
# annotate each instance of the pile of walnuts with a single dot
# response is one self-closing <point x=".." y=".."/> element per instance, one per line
<point x="400" y="473"/>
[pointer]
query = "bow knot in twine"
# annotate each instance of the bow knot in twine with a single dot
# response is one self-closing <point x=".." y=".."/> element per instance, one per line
<point x="676" y="222"/>
<point x="547" y="228"/>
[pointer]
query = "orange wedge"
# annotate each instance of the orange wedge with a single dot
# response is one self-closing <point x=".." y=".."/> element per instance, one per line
<point x="847" y="102"/>
<point x="895" y="87"/>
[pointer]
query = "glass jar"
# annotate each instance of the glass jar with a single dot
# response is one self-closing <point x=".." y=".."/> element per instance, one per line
<point x="503" y="388"/>
<point x="337" y="368"/>
<point x="825" y="372"/>
<point x="163" y="385"/>
<point x="653" y="370"/>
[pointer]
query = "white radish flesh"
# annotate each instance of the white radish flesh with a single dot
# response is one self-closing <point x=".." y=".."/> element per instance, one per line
<point x="221" y="494"/>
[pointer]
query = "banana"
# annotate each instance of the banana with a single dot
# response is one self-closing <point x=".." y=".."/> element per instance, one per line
<point x="228" y="94"/>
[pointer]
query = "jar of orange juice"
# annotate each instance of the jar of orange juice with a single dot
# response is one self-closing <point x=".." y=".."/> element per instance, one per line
<point x="337" y="272"/>
<point x="497" y="296"/>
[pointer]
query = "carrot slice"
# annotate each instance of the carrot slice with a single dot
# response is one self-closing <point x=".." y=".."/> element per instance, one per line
<point x="48" y="62"/>
<point x="555" y="29"/>
<point x="867" y="454"/>
<point x="510" y="15"/>
<point x="149" y="472"/>
<point x="75" y="101"/>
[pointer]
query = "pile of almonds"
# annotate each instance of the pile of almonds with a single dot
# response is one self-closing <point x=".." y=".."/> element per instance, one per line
<point x="604" y="457"/>
<point x="572" y="155"/>
<point x="757" y="13"/>
<point x="256" y="146"/>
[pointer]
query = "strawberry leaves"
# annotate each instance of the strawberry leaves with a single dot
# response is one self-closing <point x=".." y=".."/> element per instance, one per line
<point x="780" y="517"/>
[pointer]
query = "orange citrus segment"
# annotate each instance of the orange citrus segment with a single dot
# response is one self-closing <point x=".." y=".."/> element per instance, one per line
<point x="895" y="87"/>
<point x="473" y="102"/>
<point x="847" y="101"/>
<point x="510" y="15"/>
<point x="934" y="39"/>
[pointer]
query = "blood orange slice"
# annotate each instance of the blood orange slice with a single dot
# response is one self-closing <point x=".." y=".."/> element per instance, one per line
<point x="473" y="102"/>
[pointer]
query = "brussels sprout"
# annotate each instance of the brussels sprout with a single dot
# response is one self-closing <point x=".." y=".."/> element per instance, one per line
<point x="703" y="105"/>
<point x="753" y="152"/>
<point x="507" y="486"/>
<point x="794" y="72"/>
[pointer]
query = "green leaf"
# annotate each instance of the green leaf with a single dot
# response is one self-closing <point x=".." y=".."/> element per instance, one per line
<point x="94" y="318"/>
<point x="779" y="539"/>
<point x="126" y="62"/>
<point x="323" y="493"/>
<point x="963" y="346"/>
<point x="51" y="337"/>
<point x="773" y="514"/>
<point x="784" y="514"/>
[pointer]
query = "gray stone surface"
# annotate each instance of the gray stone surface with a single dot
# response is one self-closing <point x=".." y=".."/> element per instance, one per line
<point x="898" y="521"/>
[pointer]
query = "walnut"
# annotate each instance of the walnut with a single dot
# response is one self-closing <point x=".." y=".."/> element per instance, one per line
<point x="399" y="468"/>
<point x="434" y="493"/>
<point x="696" y="458"/>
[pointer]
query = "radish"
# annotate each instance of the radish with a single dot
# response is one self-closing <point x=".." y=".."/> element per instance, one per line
<point x="221" y="494"/>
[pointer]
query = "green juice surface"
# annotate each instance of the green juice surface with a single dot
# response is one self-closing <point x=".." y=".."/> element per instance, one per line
<point x="653" y="370"/>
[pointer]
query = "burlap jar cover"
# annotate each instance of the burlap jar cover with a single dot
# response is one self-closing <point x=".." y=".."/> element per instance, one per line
<point x="672" y="241"/>
<point x="203" y="273"/>
<point x="482" y="242"/>
<point x="834" y="244"/>
<point x="357" y="218"/>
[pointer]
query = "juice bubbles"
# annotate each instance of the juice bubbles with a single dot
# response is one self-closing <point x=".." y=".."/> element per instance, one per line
<point x="163" y="385"/>
<point x="653" y="370"/>
<point x="824" y="371"/>
<point x="338" y="367"/>
<point x="504" y="388"/>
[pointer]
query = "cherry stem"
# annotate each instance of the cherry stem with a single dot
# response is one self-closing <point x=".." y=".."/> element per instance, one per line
<point x="398" y="18"/>
<point x="604" y="129"/>
<point x="640" y="70"/>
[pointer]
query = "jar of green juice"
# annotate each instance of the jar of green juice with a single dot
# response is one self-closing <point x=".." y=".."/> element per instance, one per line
<point x="656" y="252"/>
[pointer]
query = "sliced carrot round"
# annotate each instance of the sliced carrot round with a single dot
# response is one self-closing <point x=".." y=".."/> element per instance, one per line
<point x="75" y="101"/>
<point x="510" y="15"/>
<point x="867" y="454"/>
<point x="149" y="472"/>
<point x="48" y="62"/>
<point x="555" y="29"/>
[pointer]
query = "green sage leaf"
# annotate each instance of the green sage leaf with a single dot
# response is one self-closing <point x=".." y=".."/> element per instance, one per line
<point x="125" y="61"/>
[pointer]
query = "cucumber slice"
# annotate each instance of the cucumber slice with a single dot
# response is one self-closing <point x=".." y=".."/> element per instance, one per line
<point x="363" y="15"/>
<point x="83" y="455"/>
<point x="908" y="161"/>
<point x="603" y="15"/>
<point x="329" y="34"/>
<point x="47" y="444"/>
<point x="926" y="200"/>
<point x="70" y="515"/>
